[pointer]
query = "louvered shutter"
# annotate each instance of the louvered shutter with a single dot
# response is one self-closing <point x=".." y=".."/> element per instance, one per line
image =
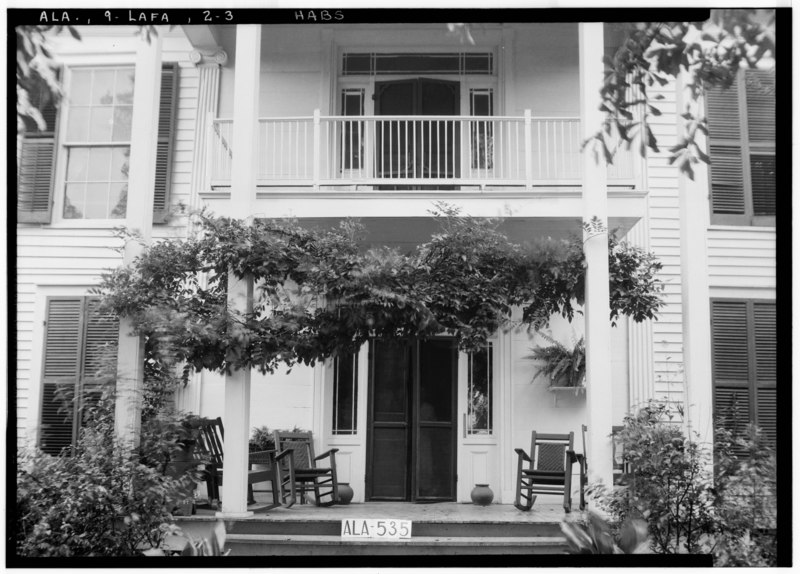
<point x="725" y="150"/>
<point x="166" y="128"/>
<point x="61" y="372"/>
<point x="766" y="358"/>
<point x="99" y="353"/>
<point x="36" y="161"/>
<point x="760" y="90"/>
<point x="732" y="404"/>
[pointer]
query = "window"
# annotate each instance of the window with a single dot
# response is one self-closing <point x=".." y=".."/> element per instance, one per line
<point x="479" y="392"/>
<point x="96" y="139"/>
<point x="80" y="355"/>
<point x="352" y="132"/>
<point x="482" y="132"/>
<point x="345" y="394"/>
<point x="741" y="133"/>
<point x="744" y="363"/>
<point x="360" y="64"/>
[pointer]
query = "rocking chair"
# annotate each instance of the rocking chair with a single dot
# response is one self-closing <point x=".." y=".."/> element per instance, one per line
<point x="549" y="469"/>
<point x="210" y="440"/>
<point x="303" y="470"/>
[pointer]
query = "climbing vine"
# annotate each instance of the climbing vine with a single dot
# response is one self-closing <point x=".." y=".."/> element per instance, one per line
<point x="318" y="294"/>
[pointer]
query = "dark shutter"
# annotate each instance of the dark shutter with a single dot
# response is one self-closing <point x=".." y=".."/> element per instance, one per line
<point x="744" y="361"/>
<point x="166" y="128"/>
<point x="36" y="160"/>
<point x="61" y="372"/>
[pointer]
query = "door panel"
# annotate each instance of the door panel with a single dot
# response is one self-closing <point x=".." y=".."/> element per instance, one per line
<point x="411" y="425"/>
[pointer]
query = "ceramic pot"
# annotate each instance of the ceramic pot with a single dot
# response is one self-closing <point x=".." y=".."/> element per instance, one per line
<point x="482" y="495"/>
<point x="345" y="493"/>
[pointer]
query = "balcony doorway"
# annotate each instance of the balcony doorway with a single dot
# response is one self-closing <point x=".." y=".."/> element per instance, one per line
<point x="418" y="149"/>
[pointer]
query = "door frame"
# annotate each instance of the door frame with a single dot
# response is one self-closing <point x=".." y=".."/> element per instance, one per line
<point x="411" y="480"/>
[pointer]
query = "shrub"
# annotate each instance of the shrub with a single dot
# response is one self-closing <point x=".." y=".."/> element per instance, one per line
<point x="102" y="499"/>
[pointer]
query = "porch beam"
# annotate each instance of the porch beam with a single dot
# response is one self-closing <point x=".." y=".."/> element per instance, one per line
<point x="240" y="292"/>
<point x="595" y="208"/>
<point x="138" y="218"/>
<point x="695" y="218"/>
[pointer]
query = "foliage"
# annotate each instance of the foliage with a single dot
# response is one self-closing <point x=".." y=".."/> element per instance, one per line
<point x="564" y="367"/>
<point x="261" y="439"/>
<point x="593" y="535"/>
<point x="319" y="295"/>
<point x="668" y="482"/>
<point x="688" y="507"/>
<point x="708" y="53"/>
<point x="102" y="500"/>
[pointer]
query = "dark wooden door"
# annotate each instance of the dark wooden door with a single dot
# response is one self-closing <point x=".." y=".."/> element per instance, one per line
<point x="411" y="452"/>
<point x="409" y="149"/>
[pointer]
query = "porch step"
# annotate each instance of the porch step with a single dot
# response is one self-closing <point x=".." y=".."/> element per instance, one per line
<point x="328" y="545"/>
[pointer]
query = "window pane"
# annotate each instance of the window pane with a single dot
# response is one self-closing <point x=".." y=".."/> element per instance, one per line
<point x="99" y="160"/>
<point x="124" y="87"/>
<point x="73" y="201"/>
<point x="345" y="393"/>
<point x="479" y="392"/>
<point x="100" y="125"/>
<point x="103" y="87"/>
<point x="80" y="88"/>
<point x="122" y="123"/>
<point x="96" y="206"/>
<point x="119" y="200"/>
<point x="120" y="157"/>
<point x="77" y="164"/>
<point x="78" y="125"/>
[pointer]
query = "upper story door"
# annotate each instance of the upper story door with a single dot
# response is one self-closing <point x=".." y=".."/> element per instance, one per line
<point x="416" y="148"/>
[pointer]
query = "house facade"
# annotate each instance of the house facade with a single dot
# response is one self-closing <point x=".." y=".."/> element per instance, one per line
<point x="321" y="122"/>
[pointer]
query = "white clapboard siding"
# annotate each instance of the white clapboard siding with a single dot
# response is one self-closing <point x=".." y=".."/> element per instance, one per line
<point x="741" y="257"/>
<point x="52" y="256"/>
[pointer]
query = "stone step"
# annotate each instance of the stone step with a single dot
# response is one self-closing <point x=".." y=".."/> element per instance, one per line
<point x="325" y="545"/>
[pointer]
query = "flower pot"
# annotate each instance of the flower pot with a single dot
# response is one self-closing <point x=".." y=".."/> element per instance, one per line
<point x="345" y="493"/>
<point x="482" y="495"/>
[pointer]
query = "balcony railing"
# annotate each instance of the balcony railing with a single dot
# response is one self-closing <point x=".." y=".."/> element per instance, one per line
<point x="413" y="152"/>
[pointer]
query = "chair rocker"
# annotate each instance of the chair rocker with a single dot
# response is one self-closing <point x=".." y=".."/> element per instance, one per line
<point x="303" y="470"/>
<point x="211" y="436"/>
<point x="548" y="469"/>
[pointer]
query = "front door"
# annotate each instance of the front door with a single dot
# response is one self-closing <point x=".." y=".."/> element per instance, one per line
<point x="407" y="148"/>
<point x="411" y="452"/>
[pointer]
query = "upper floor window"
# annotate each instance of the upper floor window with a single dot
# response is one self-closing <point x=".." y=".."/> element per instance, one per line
<point x="376" y="64"/>
<point x="741" y="133"/>
<point x="95" y="136"/>
<point x="97" y="141"/>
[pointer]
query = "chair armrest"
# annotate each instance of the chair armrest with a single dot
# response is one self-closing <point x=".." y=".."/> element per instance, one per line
<point x="327" y="453"/>
<point x="284" y="453"/>
<point x="522" y="454"/>
<point x="571" y="456"/>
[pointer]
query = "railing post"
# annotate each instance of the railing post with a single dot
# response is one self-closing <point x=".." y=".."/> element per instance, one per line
<point x="316" y="156"/>
<point x="528" y="151"/>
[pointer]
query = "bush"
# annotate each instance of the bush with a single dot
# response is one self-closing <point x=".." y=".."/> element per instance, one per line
<point x="689" y="504"/>
<point x="103" y="499"/>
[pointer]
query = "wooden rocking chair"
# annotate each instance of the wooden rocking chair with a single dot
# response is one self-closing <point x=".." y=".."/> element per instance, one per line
<point x="303" y="470"/>
<point x="210" y="440"/>
<point x="549" y="469"/>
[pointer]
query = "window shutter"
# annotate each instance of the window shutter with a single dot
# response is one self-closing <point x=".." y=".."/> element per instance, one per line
<point x="166" y="128"/>
<point x="725" y="150"/>
<point x="722" y="111"/>
<point x="36" y="161"/>
<point x="766" y="358"/>
<point x="62" y="346"/>
<point x="760" y="91"/>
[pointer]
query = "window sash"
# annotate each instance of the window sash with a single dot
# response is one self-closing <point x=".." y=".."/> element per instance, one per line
<point x="480" y="399"/>
<point x="345" y="395"/>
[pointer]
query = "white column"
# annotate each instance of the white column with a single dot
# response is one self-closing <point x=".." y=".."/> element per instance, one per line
<point x="694" y="220"/>
<point x="641" y="367"/>
<point x="139" y="218"/>
<point x="240" y="293"/>
<point x="595" y="207"/>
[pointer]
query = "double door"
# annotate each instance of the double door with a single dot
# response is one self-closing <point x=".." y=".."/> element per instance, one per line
<point x="411" y="449"/>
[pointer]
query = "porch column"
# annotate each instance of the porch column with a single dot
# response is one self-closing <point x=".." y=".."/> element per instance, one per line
<point x="243" y="183"/>
<point x="595" y="209"/>
<point x="694" y="221"/>
<point x="139" y="218"/>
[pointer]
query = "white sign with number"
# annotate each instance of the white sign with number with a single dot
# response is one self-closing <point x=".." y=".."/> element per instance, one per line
<point x="363" y="528"/>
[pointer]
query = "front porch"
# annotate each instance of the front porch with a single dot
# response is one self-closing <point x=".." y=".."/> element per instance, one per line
<point x="447" y="528"/>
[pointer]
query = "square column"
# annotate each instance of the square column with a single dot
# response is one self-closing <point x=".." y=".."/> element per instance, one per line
<point x="139" y="218"/>
<point x="595" y="246"/>
<point x="695" y="218"/>
<point x="240" y="293"/>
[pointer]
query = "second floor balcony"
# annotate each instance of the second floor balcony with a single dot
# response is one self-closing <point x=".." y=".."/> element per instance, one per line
<point x="393" y="152"/>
